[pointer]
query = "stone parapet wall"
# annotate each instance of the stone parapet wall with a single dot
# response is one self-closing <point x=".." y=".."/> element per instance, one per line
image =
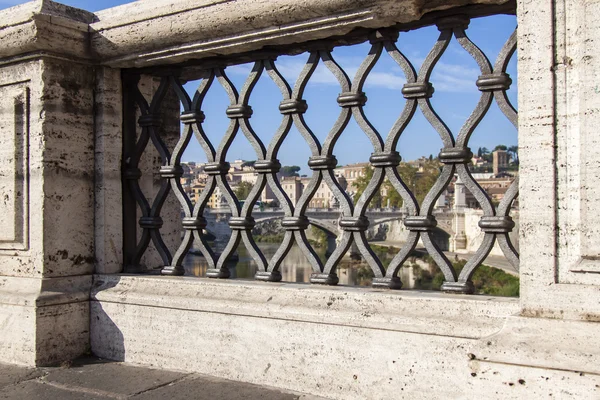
<point x="344" y="343"/>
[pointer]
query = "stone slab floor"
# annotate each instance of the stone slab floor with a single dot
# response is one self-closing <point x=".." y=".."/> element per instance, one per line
<point x="92" y="378"/>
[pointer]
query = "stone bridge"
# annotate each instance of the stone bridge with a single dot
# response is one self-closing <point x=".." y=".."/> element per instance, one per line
<point x="385" y="224"/>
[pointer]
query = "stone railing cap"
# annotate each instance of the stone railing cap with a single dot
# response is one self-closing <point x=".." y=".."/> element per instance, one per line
<point x="158" y="32"/>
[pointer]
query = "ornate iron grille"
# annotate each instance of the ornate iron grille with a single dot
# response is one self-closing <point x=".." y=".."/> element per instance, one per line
<point x="496" y="223"/>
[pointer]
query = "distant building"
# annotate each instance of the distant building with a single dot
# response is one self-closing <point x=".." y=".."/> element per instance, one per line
<point x="293" y="187"/>
<point x="350" y="173"/>
<point x="499" y="161"/>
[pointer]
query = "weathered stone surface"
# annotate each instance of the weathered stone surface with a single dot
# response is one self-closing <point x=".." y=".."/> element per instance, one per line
<point x="53" y="131"/>
<point x="567" y="345"/>
<point x="68" y="154"/>
<point x="44" y="26"/>
<point x="418" y="312"/>
<point x="178" y="31"/>
<point x="331" y="360"/>
<point x="14" y="182"/>
<point x="577" y="105"/>
<point x="36" y="390"/>
<point x="43" y="320"/>
<point x="107" y="157"/>
<point x="252" y="333"/>
<point x="115" y="378"/>
<point x="49" y="249"/>
<point x="164" y="32"/>
<point x="207" y="388"/>
<point x="12" y="374"/>
<point x="558" y="110"/>
<point x="22" y="91"/>
<point x="43" y="335"/>
<point x="18" y="334"/>
<point x="92" y="378"/>
<point x="509" y="381"/>
<point x="295" y="337"/>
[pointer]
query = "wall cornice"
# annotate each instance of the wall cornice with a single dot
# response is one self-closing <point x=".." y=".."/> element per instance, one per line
<point x="158" y="32"/>
<point x="432" y="313"/>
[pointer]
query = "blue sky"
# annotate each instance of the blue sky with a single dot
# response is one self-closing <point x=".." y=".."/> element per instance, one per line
<point x="453" y="78"/>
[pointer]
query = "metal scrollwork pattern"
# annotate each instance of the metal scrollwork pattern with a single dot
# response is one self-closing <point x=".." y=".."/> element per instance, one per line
<point x="496" y="222"/>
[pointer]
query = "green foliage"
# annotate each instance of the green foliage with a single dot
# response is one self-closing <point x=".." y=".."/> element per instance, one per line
<point x="494" y="281"/>
<point x="364" y="275"/>
<point x="290" y="170"/>
<point x="418" y="181"/>
<point x="361" y="184"/>
<point x="315" y="244"/>
<point x="513" y="151"/>
<point x="392" y="197"/>
<point x="500" y="147"/>
<point x="486" y="279"/>
<point x="243" y="190"/>
<point x="277" y="238"/>
<point x="320" y="237"/>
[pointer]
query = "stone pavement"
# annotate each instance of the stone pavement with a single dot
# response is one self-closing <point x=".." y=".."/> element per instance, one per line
<point x="92" y="378"/>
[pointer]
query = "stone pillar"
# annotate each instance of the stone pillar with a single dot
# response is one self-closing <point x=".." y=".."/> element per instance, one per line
<point x="46" y="183"/>
<point x="108" y="191"/>
<point x="559" y="149"/>
<point x="441" y="201"/>
<point x="47" y="210"/>
<point x="460" y="194"/>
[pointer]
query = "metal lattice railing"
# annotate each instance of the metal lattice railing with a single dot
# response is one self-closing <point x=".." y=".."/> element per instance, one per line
<point x="455" y="155"/>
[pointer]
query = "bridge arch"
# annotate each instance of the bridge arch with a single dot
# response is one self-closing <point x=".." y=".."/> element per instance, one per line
<point x="439" y="235"/>
<point x="328" y="227"/>
<point x="380" y="221"/>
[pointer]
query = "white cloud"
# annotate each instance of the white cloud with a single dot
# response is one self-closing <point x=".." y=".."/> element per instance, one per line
<point x="242" y="69"/>
<point x="446" y="77"/>
<point x="291" y="69"/>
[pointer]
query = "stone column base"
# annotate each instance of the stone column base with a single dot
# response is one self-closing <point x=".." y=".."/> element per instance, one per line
<point x="43" y="321"/>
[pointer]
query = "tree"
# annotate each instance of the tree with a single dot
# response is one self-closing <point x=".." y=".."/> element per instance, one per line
<point x="243" y="190"/>
<point x="479" y="152"/>
<point x="248" y="164"/>
<point x="360" y="184"/>
<point x="513" y="151"/>
<point x="392" y="197"/>
<point x="290" y="170"/>
<point x="484" y="151"/>
<point x="500" y="147"/>
<point x="419" y="182"/>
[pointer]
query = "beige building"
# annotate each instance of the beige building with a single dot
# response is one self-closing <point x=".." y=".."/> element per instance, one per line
<point x="500" y="161"/>
<point x="323" y="197"/>
<point x="494" y="185"/>
<point x="293" y="187"/>
<point x="350" y="173"/>
<point x="195" y="192"/>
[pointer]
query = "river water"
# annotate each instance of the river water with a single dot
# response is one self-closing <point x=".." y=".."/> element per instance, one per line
<point x="295" y="267"/>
